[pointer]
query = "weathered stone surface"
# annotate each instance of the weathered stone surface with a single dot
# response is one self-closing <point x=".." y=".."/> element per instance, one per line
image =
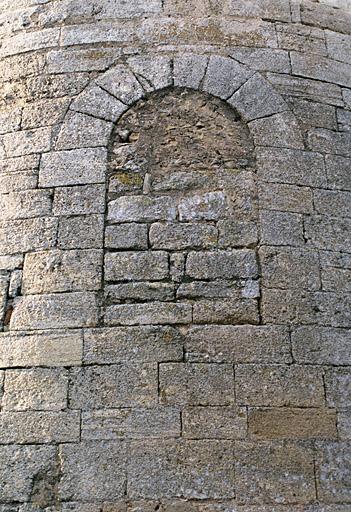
<point x="113" y="424"/>
<point x="141" y="209"/>
<point x="336" y="279"/>
<point x="291" y="166"/>
<point x="321" y="345"/>
<point x="281" y="228"/>
<point x="11" y="262"/>
<point x="25" y="204"/>
<point x="96" y="102"/>
<point x="93" y="471"/>
<point x="22" y="42"/>
<point x="328" y="141"/>
<point x="181" y="469"/>
<point x="183" y="236"/>
<point x="126" y="236"/>
<point x="286" y="198"/>
<point x="20" y="466"/>
<point x="132" y="344"/>
<point x="256" y="98"/>
<point x="44" y="113"/>
<point x="275" y="10"/>
<point x="234" y="311"/>
<point x="221" y="264"/>
<point x="263" y="59"/>
<point x="145" y="291"/>
<point x="214" y="422"/>
<point x="328" y="202"/>
<point x="59" y="348"/>
<point x="313" y="114"/>
<point x="10" y="120"/>
<point x="237" y="344"/>
<point x="27" y="235"/>
<point x="209" y="206"/>
<point x="321" y="68"/>
<point x="153" y="313"/>
<point x="279" y="385"/>
<point x="153" y="72"/>
<point x="344" y="424"/>
<point x="330" y="233"/>
<point x="76" y="167"/>
<point x="73" y="60"/>
<point x="301" y="38"/>
<point x="333" y="480"/>
<point x="83" y="131"/>
<point x="79" y="200"/>
<point x="39" y="427"/>
<point x="279" y="130"/>
<point x="136" y="266"/>
<point x="338" y="172"/>
<point x="38" y="389"/>
<point x="189" y="70"/>
<point x="289" y="268"/>
<point x="303" y="307"/>
<point x="121" y="83"/>
<point x="81" y="232"/>
<point x="196" y="384"/>
<point x="289" y="423"/>
<point x="122" y="385"/>
<point x="237" y="234"/>
<point x="55" y="311"/>
<point x="326" y="15"/>
<point x="274" y="472"/>
<point x="224" y="76"/>
<point x="61" y="271"/>
<point x="27" y="142"/>
<point x="338" y="387"/>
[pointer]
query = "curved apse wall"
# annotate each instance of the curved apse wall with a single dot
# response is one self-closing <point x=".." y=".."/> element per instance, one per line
<point x="174" y="254"/>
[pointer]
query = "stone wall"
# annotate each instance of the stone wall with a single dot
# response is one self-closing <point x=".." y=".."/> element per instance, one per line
<point x="175" y="256"/>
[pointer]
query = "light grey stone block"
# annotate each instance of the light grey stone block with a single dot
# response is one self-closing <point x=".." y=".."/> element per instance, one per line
<point x="181" y="469"/>
<point x="96" y="102"/>
<point x="83" y="131"/>
<point x="279" y="130"/>
<point x="237" y="233"/>
<point x="224" y="311"/>
<point x="143" y="291"/>
<point x="27" y="142"/>
<point x="257" y="98"/>
<point x="55" y="311"/>
<point x="281" y="228"/>
<point x="20" y="466"/>
<point x="37" y="389"/>
<point x="121" y="83"/>
<point x="60" y="271"/>
<point x="224" y="76"/>
<point x="337" y="488"/>
<point x="44" y="112"/>
<point x="321" y="345"/>
<point x="23" y="42"/>
<point x="98" y="32"/>
<point x="214" y="422"/>
<point x="240" y="263"/>
<point x="81" y="200"/>
<point x="338" y="387"/>
<point x="81" y="232"/>
<point x="332" y="203"/>
<point x="189" y="70"/>
<point x="57" y="348"/>
<point x="110" y="424"/>
<point x="122" y="385"/>
<point x="25" y="204"/>
<point x="77" y="167"/>
<point x="338" y="172"/>
<point x="147" y="344"/>
<point x="34" y="427"/>
<point x="154" y="72"/>
<point x="141" y="209"/>
<point x="126" y="236"/>
<point x="285" y="198"/>
<point x="27" y="235"/>
<point x="328" y="141"/>
<point x="157" y="313"/>
<point x="237" y="344"/>
<point x="285" y="267"/>
<point x="279" y="385"/>
<point x="73" y="60"/>
<point x="263" y="59"/>
<point x="138" y="266"/>
<point x="183" y="236"/>
<point x="93" y="471"/>
<point x="330" y="233"/>
<point x="321" y="68"/>
<point x="209" y="206"/>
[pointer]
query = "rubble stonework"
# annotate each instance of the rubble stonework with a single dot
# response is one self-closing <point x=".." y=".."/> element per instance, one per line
<point x="175" y="261"/>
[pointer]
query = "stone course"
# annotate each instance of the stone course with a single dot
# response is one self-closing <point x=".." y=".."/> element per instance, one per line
<point x="175" y="262"/>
